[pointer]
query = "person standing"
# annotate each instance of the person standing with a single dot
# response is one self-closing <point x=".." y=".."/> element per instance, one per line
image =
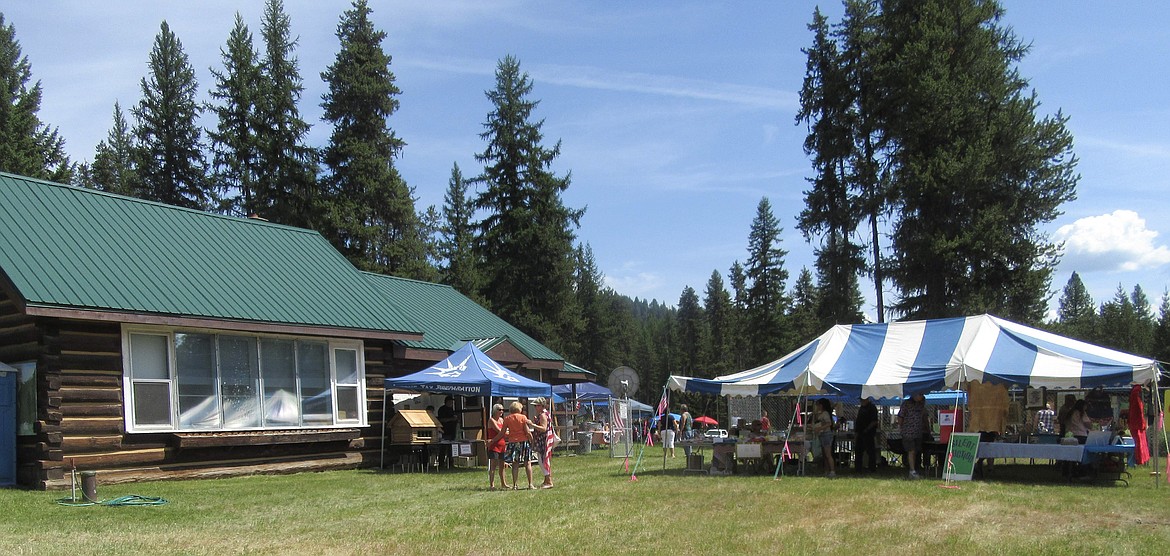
<point x="447" y="418"/>
<point x="913" y="421"/>
<point x="542" y="440"/>
<point x="765" y="423"/>
<point x="1062" y="415"/>
<point x="687" y="427"/>
<point x="669" y="427"/>
<point x="1044" y="418"/>
<point x="866" y="428"/>
<point x="823" y="427"/>
<point x="496" y="449"/>
<point x="518" y="450"/>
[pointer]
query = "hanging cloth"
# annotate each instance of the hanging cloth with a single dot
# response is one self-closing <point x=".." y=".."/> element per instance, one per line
<point x="1137" y="425"/>
<point x="988" y="404"/>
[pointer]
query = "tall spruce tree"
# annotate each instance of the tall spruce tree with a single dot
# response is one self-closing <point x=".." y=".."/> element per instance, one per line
<point x="169" y="150"/>
<point x="1120" y="324"/>
<point x="286" y="185"/>
<point x="113" y="169"/>
<point x="835" y="204"/>
<point x="369" y="208"/>
<point x="1076" y="312"/>
<point x="526" y="240"/>
<point x="1161" y="349"/>
<point x="803" y="322"/>
<point x="457" y="238"/>
<point x="235" y="142"/>
<point x="975" y="171"/>
<point x="597" y="345"/>
<point x="28" y="147"/>
<point x="767" y="303"/>
<point x="720" y="323"/>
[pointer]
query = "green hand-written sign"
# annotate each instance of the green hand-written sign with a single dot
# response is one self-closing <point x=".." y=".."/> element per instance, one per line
<point x="961" y="461"/>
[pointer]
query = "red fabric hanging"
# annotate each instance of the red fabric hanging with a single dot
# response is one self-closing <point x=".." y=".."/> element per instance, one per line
<point x="1137" y="425"/>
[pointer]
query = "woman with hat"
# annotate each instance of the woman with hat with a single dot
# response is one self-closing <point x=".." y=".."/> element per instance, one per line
<point x="496" y="449"/>
<point x="542" y="436"/>
<point x="518" y="450"/>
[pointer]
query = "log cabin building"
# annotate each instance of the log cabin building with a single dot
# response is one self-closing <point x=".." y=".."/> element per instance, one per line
<point x="152" y="341"/>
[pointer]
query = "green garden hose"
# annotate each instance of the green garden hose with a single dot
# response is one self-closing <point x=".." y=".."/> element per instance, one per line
<point x="128" y="500"/>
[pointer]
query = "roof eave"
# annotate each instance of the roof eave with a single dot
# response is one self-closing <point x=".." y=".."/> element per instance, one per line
<point x="217" y="323"/>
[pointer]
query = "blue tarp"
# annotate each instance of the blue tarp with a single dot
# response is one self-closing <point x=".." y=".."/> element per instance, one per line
<point x="469" y="372"/>
<point x="897" y="359"/>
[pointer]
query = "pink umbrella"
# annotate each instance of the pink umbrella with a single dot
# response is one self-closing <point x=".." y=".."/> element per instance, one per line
<point x="705" y="420"/>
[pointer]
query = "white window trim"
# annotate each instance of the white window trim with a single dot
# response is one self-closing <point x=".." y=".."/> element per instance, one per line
<point x="332" y="344"/>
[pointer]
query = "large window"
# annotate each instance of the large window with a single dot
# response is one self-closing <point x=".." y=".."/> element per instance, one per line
<point x="202" y="381"/>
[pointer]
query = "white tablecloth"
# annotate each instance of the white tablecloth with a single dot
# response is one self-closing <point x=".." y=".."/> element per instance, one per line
<point x="1037" y="451"/>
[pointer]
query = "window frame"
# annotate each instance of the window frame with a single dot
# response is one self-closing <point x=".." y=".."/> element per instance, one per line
<point x="332" y="346"/>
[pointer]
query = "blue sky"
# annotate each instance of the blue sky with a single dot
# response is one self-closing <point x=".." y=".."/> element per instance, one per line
<point x="675" y="118"/>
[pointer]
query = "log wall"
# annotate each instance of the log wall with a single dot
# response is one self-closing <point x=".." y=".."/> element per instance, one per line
<point x="80" y="417"/>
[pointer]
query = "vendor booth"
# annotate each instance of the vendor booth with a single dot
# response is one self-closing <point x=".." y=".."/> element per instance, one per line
<point x="892" y="360"/>
<point x="467" y="372"/>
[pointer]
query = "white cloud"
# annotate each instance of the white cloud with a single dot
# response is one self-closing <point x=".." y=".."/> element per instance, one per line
<point x="595" y="78"/>
<point x="644" y="285"/>
<point x="1118" y="241"/>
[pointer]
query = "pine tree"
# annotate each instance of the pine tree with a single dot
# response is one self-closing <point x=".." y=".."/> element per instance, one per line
<point x="1076" y="311"/>
<point x="1161" y="349"/>
<point x="370" y="208"/>
<point x="597" y="347"/>
<point x="803" y="322"/>
<point x="767" y="302"/>
<point x="113" y="169"/>
<point x="691" y="331"/>
<point x="28" y="147"/>
<point x="975" y="172"/>
<point x="235" y="143"/>
<point x="526" y="240"/>
<point x="720" y="323"/>
<point x="286" y="185"/>
<point x="1126" y="325"/>
<point x="169" y="154"/>
<point x="461" y="271"/>
<point x="834" y="206"/>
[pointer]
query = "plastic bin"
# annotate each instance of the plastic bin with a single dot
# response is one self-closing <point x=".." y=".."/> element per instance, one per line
<point x="584" y="442"/>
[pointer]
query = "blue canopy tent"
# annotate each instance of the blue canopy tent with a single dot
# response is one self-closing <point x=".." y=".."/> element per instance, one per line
<point x="470" y="372"/>
<point x="897" y="359"/>
<point x="467" y="372"/>
<point x="586" y="391"/>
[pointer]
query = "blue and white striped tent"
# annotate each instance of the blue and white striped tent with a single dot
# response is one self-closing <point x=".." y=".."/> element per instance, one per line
<point x="902" y="358"/>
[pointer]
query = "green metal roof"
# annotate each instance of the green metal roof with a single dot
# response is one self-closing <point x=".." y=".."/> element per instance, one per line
<point x="67" y="247"/>
<point x="451" y="318"/>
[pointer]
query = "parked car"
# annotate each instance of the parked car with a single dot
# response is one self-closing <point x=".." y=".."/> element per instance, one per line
<point x="715" y="433"/>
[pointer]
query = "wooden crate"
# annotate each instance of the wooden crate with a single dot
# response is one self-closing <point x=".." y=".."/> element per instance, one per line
<point x="414" y="426"/>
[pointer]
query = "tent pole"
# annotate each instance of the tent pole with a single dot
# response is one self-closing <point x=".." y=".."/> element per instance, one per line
<point x="382" y="444"/>
<point x="1160" y="422"/>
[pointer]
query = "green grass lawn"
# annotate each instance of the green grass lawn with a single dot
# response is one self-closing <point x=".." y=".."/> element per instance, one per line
<point x="596" y="508"/>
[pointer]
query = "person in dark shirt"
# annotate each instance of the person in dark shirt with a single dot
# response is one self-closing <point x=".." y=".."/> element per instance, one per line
<point x="866" y="429"/>
<point x="447" y="418"/>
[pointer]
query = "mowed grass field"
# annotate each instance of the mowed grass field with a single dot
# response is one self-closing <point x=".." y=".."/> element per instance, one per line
<point x="597" y="509"/>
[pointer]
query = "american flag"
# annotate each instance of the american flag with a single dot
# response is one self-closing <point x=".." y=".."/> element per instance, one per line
<point x="662" y="405"/>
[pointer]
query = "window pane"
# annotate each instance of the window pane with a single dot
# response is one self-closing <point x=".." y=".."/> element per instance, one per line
<point x="347" y="403"/>
<point x="316" y="396"/>
<point x="279" y="372"/>
<point x="239" y="375"/>
<point x="195" y="368"/>
<point x="152" y="403"/>
<point x="148" y="356"/>
<point x="347" y="369"/>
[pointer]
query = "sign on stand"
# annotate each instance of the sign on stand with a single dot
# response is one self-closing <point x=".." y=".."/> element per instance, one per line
<point x="964" y="450"/>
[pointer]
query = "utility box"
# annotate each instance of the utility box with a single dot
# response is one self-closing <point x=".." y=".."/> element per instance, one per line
<point x="414" y="426"/>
